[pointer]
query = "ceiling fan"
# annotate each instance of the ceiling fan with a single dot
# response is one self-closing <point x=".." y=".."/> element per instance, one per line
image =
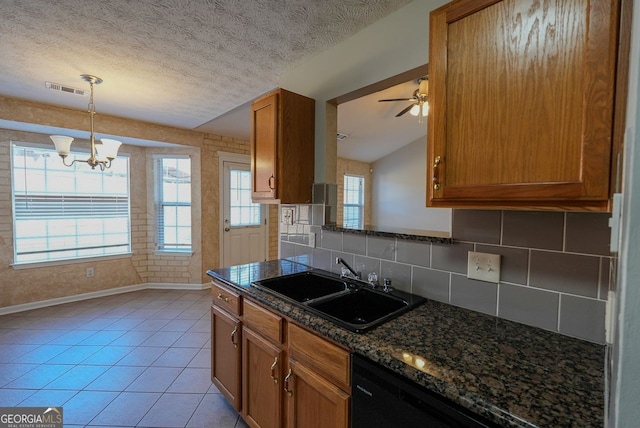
<point x="419" y="101"/>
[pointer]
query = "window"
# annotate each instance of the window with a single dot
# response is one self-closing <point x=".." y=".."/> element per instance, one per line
<point x="353" y="201"/>
<point x="243" y="212"/>
<point x="173" y="203"/>
<point x="62" y="213"/>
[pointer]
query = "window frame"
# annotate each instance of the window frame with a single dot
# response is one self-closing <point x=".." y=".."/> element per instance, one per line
<point x="359" y="206"/>
<point x="254" y="209"/>
<point x="162" y="248"/>
<point x="25" y="195"/>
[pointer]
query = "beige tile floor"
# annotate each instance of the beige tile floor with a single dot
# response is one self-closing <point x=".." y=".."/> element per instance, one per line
<point x="138" y="359"/>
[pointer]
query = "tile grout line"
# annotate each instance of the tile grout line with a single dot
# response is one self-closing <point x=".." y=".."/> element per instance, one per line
<point x="194" y="338"/>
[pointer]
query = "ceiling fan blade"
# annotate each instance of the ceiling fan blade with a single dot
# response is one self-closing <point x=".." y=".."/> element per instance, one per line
<point x="405" y="110"/>
<point x="397" y="99"/>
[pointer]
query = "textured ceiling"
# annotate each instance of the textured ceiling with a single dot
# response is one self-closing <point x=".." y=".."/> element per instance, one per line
<point x="176" y="62"/>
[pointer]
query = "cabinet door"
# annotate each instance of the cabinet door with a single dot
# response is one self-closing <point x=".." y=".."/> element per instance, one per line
<point x="226" y="355"/>
<point x="264" y="141"/>
<point x="261" y="381"/>
<point x="333" y="362"/>
<point x="312" y="401"/>
<point x="522" y="97"/>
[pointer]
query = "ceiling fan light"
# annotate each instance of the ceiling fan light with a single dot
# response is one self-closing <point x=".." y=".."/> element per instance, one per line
<point x="415" y="110"/>
<point x="425" y="109"/>
<point x="62" y="144"/>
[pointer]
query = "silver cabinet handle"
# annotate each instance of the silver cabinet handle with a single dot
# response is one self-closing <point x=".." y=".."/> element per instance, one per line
<point x="233" y="337"/>
<point x="436" y="177"/>
<point x="286" y="384"/>
<point x="273" y="370"/>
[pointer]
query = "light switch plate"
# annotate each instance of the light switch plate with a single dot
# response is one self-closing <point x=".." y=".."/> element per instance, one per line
<point x="483" y="267"/>
<point x="287" y="216"/>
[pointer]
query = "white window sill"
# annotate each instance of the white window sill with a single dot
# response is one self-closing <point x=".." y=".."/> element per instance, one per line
<point x="173" y="253"/>
<point x="71" y="261"/>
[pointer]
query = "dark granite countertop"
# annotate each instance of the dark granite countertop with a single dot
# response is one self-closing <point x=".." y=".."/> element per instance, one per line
<point x="389" y="232"/>
<point x="510" y="373"/>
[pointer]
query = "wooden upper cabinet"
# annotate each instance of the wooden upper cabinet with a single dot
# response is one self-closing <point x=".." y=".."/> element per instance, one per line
<point x="522" y="104"/>
<point x="282" y="148"/>
<point x="264" y="134"/>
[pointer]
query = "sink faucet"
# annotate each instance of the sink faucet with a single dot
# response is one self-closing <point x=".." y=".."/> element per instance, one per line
<point x="340" y="261"/>
<point x="372" y="279"/>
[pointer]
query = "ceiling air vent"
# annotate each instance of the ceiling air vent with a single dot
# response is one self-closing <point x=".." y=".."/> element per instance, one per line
<point x="62" y="88"/>
<point x="342" y="137"/>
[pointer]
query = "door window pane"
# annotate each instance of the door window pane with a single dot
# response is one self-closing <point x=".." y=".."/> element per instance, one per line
<point x="242" y="212"/>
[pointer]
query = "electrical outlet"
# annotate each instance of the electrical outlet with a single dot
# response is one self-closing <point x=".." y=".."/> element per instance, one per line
<point x="90" y="272"/>
<point x="312" y="240"/>
<point x="483" y="267"/>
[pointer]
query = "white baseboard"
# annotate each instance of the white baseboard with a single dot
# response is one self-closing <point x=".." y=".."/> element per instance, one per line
<point x="169" y="286"/>
<point x="102" y="293"/>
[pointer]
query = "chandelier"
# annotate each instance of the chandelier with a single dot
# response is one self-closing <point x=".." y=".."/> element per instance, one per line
<point x="102" y="152"/>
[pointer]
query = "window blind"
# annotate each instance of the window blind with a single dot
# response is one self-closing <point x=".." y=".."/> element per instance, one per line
<point x="60" y="206"/>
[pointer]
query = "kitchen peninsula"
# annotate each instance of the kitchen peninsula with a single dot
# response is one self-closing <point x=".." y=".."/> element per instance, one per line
<point x="509" y="373"/>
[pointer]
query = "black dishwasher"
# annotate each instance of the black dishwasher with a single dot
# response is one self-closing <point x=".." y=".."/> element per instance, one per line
<point x="383" y="399"/>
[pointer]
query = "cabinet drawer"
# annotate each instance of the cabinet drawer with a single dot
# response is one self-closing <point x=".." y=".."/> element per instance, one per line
<point x="262" y="320"/>
<point x="317" y="352"/>
<point x="224" y="297"/>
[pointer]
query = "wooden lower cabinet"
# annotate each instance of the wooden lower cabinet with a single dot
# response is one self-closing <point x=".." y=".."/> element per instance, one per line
<point x="274" y="372"/>
<point x="261" y="381"/>
<point x="313" y="401"/>
<point x="226" y="352"/>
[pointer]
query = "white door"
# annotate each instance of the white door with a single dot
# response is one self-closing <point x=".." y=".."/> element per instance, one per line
<point x="244" y="223"/>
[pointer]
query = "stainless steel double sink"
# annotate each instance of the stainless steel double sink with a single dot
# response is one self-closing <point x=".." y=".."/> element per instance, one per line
<point x="351" y="304"/>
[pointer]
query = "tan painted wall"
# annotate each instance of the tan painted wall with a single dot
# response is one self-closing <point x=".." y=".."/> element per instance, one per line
<point x="353" y="167"/>
<point x="18" y="286"/>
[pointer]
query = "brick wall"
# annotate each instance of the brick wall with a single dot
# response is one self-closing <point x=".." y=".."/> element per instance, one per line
<point x="48" y="281"/>
<point x="19" y="286"/>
